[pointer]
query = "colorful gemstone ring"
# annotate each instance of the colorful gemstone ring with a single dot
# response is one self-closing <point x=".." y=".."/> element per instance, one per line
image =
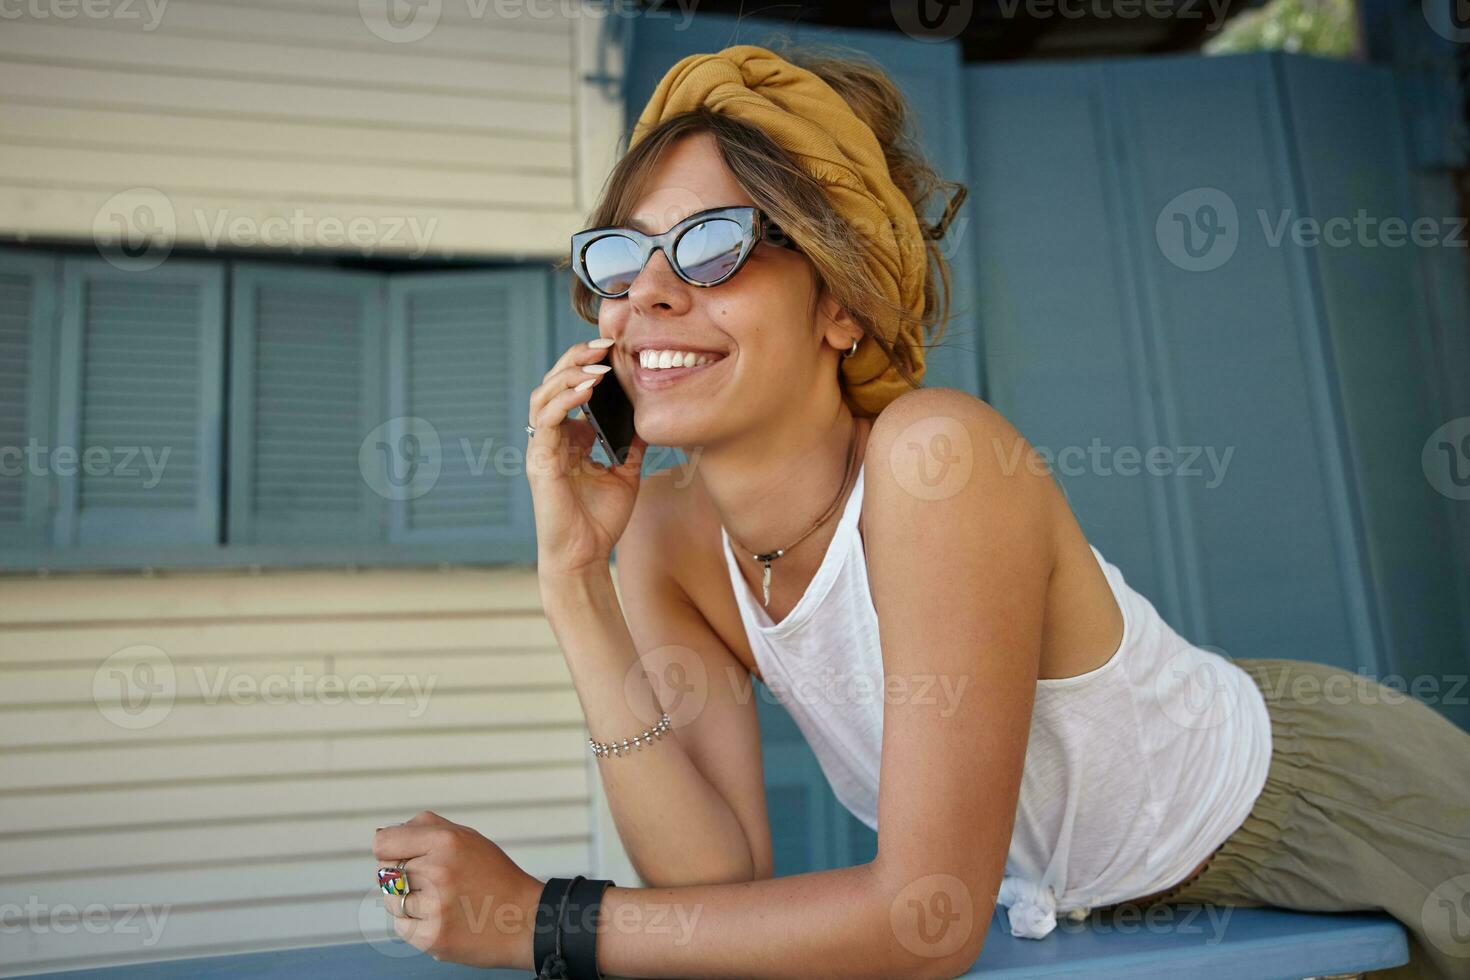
<point x="394" y="881"/>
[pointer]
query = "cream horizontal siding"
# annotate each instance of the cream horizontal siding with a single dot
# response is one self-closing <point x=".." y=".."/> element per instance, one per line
<point x="481" y="133"/>
<point x="241" y="824"/>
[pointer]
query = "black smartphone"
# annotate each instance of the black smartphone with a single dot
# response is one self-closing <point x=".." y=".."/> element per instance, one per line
<point x="611" y="415"/>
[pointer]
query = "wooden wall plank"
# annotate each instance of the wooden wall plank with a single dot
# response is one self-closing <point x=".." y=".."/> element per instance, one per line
<point x="404" y="66"/>
<point x="50" y="766"/>
<point x="78" y="85"/>
<point x="520" y="40"/>
<point x="62" y="726"/>
<point x="231" y="638"/>
<point x="281" y="140"/>
<point x="385" y="674"/>
<point x="363" y="182"/>
<point x="116" y="851"/>
<point x="276" y="592"/>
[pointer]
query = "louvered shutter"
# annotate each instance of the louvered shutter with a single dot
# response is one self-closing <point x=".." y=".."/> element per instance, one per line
<point x="28" y="285"/>
<point x="465" y="350"/>
<point x="307" y="387"/>
<point x="140" y="390"/>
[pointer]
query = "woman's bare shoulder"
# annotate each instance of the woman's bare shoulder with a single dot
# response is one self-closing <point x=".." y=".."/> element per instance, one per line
<point x="944" y="444"/>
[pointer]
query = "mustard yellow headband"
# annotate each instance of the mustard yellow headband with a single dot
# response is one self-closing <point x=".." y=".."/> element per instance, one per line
<point x="808" y="119"/>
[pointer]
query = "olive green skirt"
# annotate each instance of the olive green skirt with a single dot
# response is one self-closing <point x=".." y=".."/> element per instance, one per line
<point x="1366" y="806"/>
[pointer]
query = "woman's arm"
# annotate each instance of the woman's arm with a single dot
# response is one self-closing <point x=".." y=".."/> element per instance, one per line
<point x="690" y="809"/>
<point x="960" y="549"/>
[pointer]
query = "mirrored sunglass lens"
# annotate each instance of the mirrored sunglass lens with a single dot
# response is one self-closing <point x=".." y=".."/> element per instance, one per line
<point x="708" y="251"/>
<point x="612" y="263"/>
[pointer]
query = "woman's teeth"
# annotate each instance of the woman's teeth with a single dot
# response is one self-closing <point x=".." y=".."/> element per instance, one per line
<point x="655" y="359"/>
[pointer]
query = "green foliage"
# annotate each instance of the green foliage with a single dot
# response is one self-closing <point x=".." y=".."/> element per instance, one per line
<point x="1322" y="27"/>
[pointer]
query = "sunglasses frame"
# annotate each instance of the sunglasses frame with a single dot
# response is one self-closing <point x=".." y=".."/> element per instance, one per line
<point x="754" y="228"/>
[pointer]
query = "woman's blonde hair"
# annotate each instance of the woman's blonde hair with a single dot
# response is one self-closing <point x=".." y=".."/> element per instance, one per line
<point x="796" y="201"/>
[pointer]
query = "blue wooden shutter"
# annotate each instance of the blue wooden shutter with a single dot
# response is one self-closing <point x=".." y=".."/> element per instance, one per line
<point x="28" y="286"/>
<point x="1308" y="364"/>
<point x="307" y="387"/>
<point x="141" y="357"/>
<point x="465" y="350"/>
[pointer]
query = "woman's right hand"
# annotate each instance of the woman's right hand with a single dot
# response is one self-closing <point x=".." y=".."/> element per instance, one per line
<point x="582" y="507"/>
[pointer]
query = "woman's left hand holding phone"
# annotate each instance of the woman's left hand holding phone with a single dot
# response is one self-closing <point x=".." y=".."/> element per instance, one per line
<point x="582" y="507"/>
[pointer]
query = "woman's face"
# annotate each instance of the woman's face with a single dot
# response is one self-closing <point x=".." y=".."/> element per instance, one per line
<point x="766" y="326"/>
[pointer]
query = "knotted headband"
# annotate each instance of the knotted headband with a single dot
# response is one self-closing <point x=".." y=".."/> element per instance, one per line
<point x="808" y="119"/>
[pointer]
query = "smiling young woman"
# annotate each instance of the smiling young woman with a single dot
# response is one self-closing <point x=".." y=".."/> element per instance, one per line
<point x="843" y="530"/>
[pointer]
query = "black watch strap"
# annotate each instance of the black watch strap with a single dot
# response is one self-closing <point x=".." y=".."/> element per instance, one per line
<point x="543" y="939"/>
<point x="579" y="928"/>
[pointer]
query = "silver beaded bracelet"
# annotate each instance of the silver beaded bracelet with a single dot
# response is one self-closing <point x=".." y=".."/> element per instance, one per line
<point x="627" y="745"/>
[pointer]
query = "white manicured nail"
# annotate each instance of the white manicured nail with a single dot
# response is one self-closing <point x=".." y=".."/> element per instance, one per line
<point x="585" y="384"/>
<point x="601" y="342"/>
<point x="597" y="368"/>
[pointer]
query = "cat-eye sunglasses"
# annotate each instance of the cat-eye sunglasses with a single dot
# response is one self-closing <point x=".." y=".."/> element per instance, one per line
<point x="704" y="249"/>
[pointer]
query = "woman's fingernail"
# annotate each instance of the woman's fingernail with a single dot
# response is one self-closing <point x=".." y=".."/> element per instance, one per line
<point x="585" y="384"/>
<point x="601" y="342"/>
<point x="597" y="368"/>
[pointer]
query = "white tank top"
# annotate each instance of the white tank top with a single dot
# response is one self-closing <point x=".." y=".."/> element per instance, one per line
<point x="1135" y="771"/>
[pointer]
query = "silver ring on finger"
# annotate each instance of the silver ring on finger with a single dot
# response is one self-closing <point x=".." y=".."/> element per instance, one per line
<point x="530" y="430"/>
<point x="403" y="896"/>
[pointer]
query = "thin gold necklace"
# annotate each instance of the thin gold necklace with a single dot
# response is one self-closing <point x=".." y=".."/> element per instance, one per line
<point x="770" y="556"/>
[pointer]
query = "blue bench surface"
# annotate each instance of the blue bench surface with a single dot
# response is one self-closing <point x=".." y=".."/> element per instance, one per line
<point x="1200" y="942"/>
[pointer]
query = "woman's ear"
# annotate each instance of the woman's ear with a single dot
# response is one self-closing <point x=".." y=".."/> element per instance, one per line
<point x="837" y="325"/>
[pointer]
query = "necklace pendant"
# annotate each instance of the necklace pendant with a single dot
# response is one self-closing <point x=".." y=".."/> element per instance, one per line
<point x="766" y="584"/>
